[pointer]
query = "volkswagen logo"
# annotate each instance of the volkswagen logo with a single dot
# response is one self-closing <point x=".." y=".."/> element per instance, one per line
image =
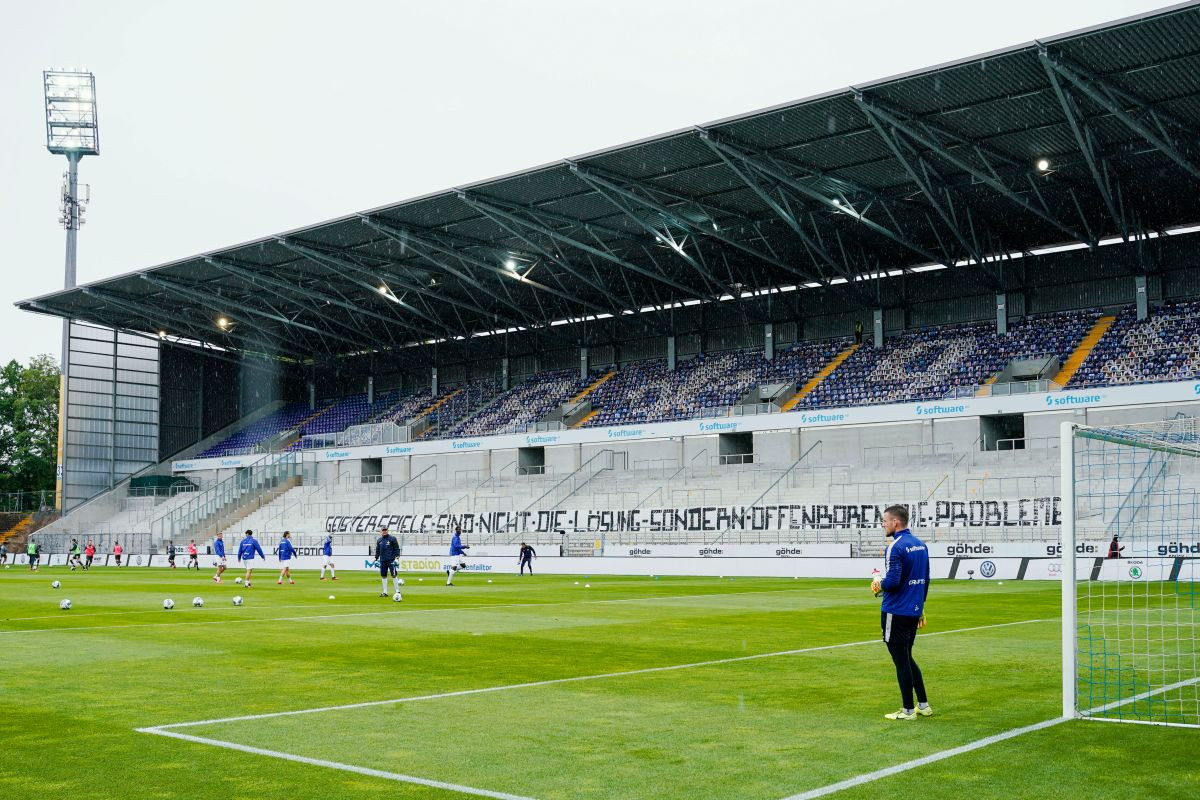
<point x="987" y="569"/>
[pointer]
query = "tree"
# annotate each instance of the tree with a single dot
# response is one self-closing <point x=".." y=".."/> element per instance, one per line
<point x="29" y="425"/>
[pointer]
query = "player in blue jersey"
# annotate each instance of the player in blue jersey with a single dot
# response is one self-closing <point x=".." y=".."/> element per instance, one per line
<point x="905" y="585"/>
<point x="246" y="550"/>
<point x="219" y="551"/>
<point x="458" y="557"/>
<point x="287" y="551"/>
<point x="387" y="550"/>
<point x="327" y="557"/>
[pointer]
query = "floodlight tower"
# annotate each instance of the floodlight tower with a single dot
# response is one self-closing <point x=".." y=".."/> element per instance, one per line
<point x="71" y="130"/>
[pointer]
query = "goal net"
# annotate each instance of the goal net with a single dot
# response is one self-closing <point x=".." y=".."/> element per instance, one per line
<point x="1131" y="515"/>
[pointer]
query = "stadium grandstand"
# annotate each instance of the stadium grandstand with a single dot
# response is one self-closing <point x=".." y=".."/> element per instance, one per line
<point x="893" y="292"/>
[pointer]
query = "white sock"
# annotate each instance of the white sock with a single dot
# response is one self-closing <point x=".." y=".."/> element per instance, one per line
<point x="322" y="572"/>
<point x="922" y="705"/>
<point x="332" y="572"/>
<point x="397" y="582"/>
<point x="449" y="577"/>
<point x="384" y="582"/>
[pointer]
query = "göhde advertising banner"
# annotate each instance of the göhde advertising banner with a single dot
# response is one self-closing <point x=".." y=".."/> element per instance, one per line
<point x="1020" y="512"/>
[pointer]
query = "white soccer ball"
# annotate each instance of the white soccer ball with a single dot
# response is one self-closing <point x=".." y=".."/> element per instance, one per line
<point x="168" y="604"/>
<point x="65" y="605"/>
<point x="397" y="597"/>
<point x="402" y="581"/>
<point x="198" y="602"/>
<point x="55" y="585"/>
<point x="331" y="597"/>
<point x="238" y="581"/>
<point x="576" y="583"/>
<point x="587" y="586"/>
<point x="237" y="600"/>
<point x="489" y="580"/>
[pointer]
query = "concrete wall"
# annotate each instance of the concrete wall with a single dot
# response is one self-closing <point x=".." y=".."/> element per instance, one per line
<point x="845" y="445"/>
<point x="776" y="447"/>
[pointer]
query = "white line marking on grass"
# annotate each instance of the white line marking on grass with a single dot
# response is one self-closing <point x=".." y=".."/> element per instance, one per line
<point x="317" y="762"/>
<point x="575" y="679"/>
<point x="654" y="599"/>
<point x="978" y="744"/>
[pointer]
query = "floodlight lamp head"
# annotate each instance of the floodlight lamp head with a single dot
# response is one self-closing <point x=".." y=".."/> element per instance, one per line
<point x="71" y="122"/>
<point x="1043" y="165"/>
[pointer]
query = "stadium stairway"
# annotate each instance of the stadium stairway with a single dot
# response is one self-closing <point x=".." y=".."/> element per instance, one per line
<point x="593" y="386"/>
<point x="15" y="527"/>
<point x="983" y="390"/>
<point x="435" y="406"/>
<point x="815" y="380"/>
<point x="586" y="417"/>
<point x="1076" y="359"/>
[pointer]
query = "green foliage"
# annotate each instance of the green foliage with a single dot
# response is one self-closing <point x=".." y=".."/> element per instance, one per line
<point x="28" y="424"/>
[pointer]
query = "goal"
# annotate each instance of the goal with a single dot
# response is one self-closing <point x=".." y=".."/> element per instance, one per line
<point x="1131" y="517"/>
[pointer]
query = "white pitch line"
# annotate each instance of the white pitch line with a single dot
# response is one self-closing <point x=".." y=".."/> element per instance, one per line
<point x="318" y="762"/>
<point x="978" y="744"/>
<point x="653" y="599"/>
<point x="575" y="679"/>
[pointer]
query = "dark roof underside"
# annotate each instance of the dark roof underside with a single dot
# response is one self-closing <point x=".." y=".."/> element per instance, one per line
<point x="935" y="167"/>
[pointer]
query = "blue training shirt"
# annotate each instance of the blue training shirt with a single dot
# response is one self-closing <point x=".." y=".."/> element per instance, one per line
<point x="327" y="547"/>
<point x="219" y="547"/>
<point x="248" y="548"/>
<point x="906" y="579"/>
<point x="286" y="550"/>
<point x="456" y="548"/>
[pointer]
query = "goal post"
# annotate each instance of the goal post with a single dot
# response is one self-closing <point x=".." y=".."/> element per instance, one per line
<point x="1130" y="622"/>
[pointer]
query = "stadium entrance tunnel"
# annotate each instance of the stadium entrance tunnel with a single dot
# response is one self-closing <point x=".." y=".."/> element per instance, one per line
<point x="736" y="448"/>
<point x="531" y="461"/>
<point x="1002" y="432"/>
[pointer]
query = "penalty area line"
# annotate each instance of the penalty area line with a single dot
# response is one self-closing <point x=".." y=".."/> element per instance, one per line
<point x="978" y="744"/>
<point x="320" y="762"/>
<point x="573" y="679"/>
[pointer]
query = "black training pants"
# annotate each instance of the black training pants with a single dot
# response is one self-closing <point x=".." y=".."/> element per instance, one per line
<point x="900" y="634"/>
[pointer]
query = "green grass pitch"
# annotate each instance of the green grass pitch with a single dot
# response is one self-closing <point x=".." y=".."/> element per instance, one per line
<point x="76" y="685"/>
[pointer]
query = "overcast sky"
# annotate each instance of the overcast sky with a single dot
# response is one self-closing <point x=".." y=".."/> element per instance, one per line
<point x="226" y="121"/>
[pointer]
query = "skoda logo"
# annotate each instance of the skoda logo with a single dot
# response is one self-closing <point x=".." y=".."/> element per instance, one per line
<point x="1135" y="572"/>
<point x="987" y="569"/>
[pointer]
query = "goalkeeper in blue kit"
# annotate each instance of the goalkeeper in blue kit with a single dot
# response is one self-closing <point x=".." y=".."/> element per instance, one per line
<point x="905" y="585"/>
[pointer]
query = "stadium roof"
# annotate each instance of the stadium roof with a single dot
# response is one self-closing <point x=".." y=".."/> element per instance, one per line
<point x="937" y="167"/>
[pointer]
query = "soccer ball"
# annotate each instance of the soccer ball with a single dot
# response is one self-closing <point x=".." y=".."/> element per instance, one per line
<point x="237" y="601"/>
<point x="55" y="585"/>
<point x="65" y="605"/>
<point x="397" y="597"/>
<point x="402" y="581"/>
<point x="330" y="597"/>
<point x="168" y="604"/>
<point x="238" y="581"/>
<point x="198" y="602"/>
